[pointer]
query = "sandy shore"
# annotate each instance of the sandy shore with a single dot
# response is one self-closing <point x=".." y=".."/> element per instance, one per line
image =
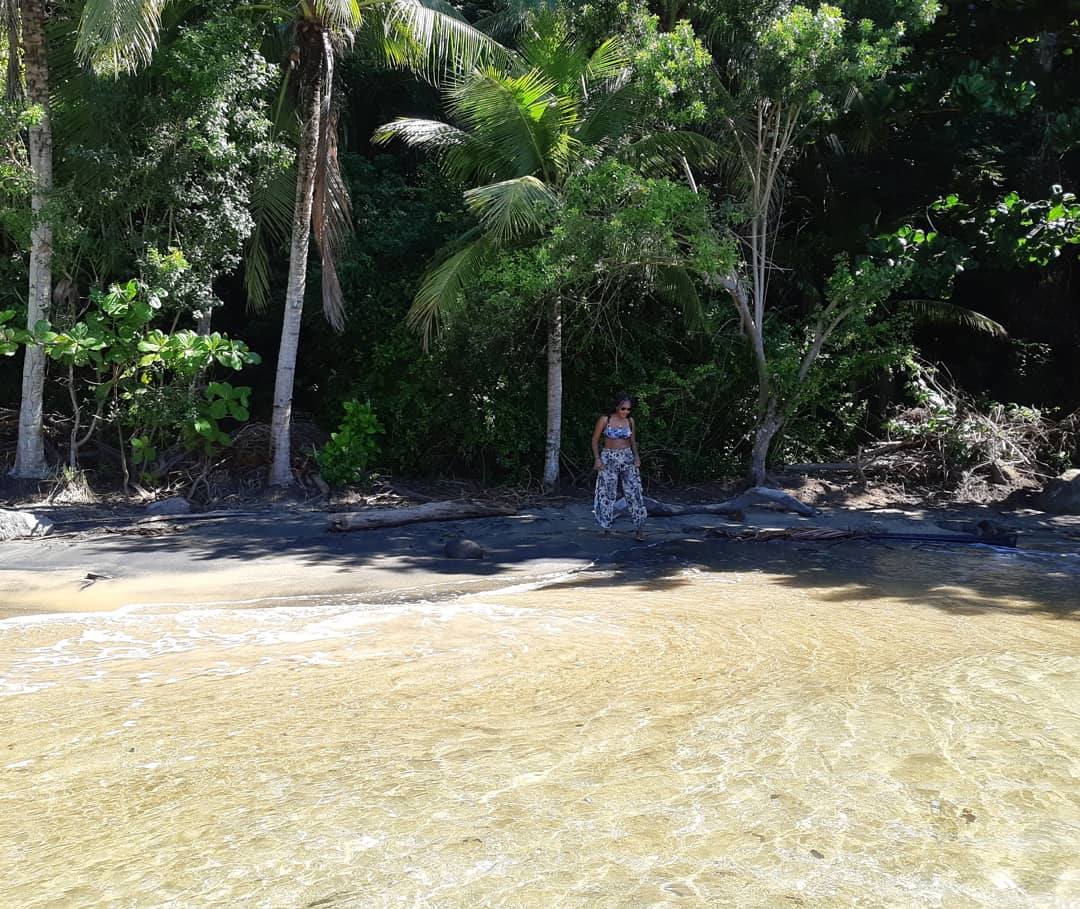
<point x="282" y="554"/>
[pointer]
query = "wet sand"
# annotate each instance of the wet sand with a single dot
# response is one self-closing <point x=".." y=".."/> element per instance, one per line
<point x="284" y="555"/>
<point x="271" y="558"/>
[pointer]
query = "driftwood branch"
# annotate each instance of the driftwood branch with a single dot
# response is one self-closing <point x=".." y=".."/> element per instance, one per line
<point x="658" y="509"/>
<point x="429" y="511"/>
<point x="864" y="458"/>
<point x="832" y="467"/>
<point x="756" y="495"/>
<point x="834" y="534"/>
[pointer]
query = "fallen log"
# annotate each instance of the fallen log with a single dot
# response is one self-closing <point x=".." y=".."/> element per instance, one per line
<point x="756" y="495"/>
<point x="429" y="511"/>
<point x="658" y="509"/>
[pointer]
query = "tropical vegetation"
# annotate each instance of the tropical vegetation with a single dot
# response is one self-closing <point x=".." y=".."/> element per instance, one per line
<point x="761" y="217"/>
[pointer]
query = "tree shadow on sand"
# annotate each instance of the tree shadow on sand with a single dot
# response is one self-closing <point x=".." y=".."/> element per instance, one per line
<point x="963" y="580"/>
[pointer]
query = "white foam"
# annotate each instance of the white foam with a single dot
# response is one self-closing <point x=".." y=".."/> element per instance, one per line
<point x="141" y="632"/>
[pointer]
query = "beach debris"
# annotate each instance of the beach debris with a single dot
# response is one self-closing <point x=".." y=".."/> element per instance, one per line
<point x="173" y="506"/>
<point x="461" y="548"/>
<point x="734" y="508"/>
<point x="143" y="530"/>
<point x="758" y="495"/>
<point x="832" y="534"/>
<point x="764" y="535"/>
<point x="373" y="518"/>
<point x="1061" y="495"/>
<point x="92" y="576"/>
<point x="658" y="509"/>
<point x="15" y="525"/>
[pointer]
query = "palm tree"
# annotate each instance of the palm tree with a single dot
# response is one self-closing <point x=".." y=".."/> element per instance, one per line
<point x="117" y="36"/>
<point x="413" y="34"/>
<point x="519" y="137"/>
<point x="30" y="450"/>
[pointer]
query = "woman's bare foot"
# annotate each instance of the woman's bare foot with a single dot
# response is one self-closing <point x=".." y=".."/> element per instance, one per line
<point x="639" y="535"/>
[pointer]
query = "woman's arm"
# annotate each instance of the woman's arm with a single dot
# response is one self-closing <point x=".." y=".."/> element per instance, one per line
<point x="597" y="430"/>
<point x="633" y="443"/>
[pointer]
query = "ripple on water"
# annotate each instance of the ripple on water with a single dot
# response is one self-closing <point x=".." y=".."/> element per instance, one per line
<point x="881" y="728"/>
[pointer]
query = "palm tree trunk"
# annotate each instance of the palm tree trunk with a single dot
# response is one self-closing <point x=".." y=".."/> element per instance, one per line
<point x="30" y="450"/>
<point x="553" y="443"/>
<point x="312" y="50"/>
<point x="13" y="88"/>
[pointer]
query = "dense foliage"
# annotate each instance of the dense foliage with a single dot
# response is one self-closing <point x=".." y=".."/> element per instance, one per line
<point x="893" y="178"/>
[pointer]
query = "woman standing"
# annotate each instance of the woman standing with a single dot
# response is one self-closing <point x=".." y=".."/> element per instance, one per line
<point x="619" y="458"/>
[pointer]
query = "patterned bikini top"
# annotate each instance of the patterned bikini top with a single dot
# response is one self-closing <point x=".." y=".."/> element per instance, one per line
<point x="616" y="432"/>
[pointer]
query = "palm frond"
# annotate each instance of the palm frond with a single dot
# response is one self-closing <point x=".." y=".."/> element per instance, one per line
<point x="462" y="156"/>
<point x="272" y="209"/>
<point x="952" y="314"/>
<point x="511" y="208"/>
<point x="609" y="61"/>
<point x="431" y="38"/>
<point x="442" y="285"/>
<point x="514" y="117"/>
<point x="663" y="152"/>
<point x="118" y="36"/>
<point x="611" y="115"/>
<point x="331" y="219"/>
<point x="547" y="46"/>
<point x="343" y="17"/>
<point x="507" y="22"/>
<point x="489" y="94"/>
<point x="433" y="135"/>
<point x="674" y="284"/>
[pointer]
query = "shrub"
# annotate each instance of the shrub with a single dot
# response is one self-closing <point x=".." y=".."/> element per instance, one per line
<point x="347" y="457"/>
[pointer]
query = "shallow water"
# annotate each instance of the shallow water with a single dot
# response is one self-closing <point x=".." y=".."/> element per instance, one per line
<point x="765" y="726"/>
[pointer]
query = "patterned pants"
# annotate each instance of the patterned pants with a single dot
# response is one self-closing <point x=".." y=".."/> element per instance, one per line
<point x="618" y="462"/>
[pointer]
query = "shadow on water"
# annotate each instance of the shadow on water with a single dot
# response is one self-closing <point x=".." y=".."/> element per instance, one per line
<point x="964" y="580"/>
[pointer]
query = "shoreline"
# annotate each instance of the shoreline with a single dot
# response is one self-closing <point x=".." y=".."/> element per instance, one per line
<point x="257" y="559"/>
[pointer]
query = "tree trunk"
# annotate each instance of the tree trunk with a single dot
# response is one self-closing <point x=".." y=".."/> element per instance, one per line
<point x="30" y="451"/>
<point x="767" y="427"/>
<point x="553" y="443"/>
<point x="312" y="47"/>
<point x="13" y="89"/>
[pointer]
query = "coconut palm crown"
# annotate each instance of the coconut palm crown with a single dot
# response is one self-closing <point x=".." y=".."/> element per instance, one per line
<point x="516" y="135"/>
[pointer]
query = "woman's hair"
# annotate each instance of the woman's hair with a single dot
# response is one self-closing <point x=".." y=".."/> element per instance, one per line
<point x="617" y="400"/>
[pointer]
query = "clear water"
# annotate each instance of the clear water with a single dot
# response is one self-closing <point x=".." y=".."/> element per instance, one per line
<point x="741" y="725"/>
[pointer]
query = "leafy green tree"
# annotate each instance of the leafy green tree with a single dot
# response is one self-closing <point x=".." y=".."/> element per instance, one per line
<point x="985" y="102"/>
<point x="518" y="139"/>
<point x="784" y="72"/>
<point x="143" y="381"/>
<point x="167" y="162"/>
